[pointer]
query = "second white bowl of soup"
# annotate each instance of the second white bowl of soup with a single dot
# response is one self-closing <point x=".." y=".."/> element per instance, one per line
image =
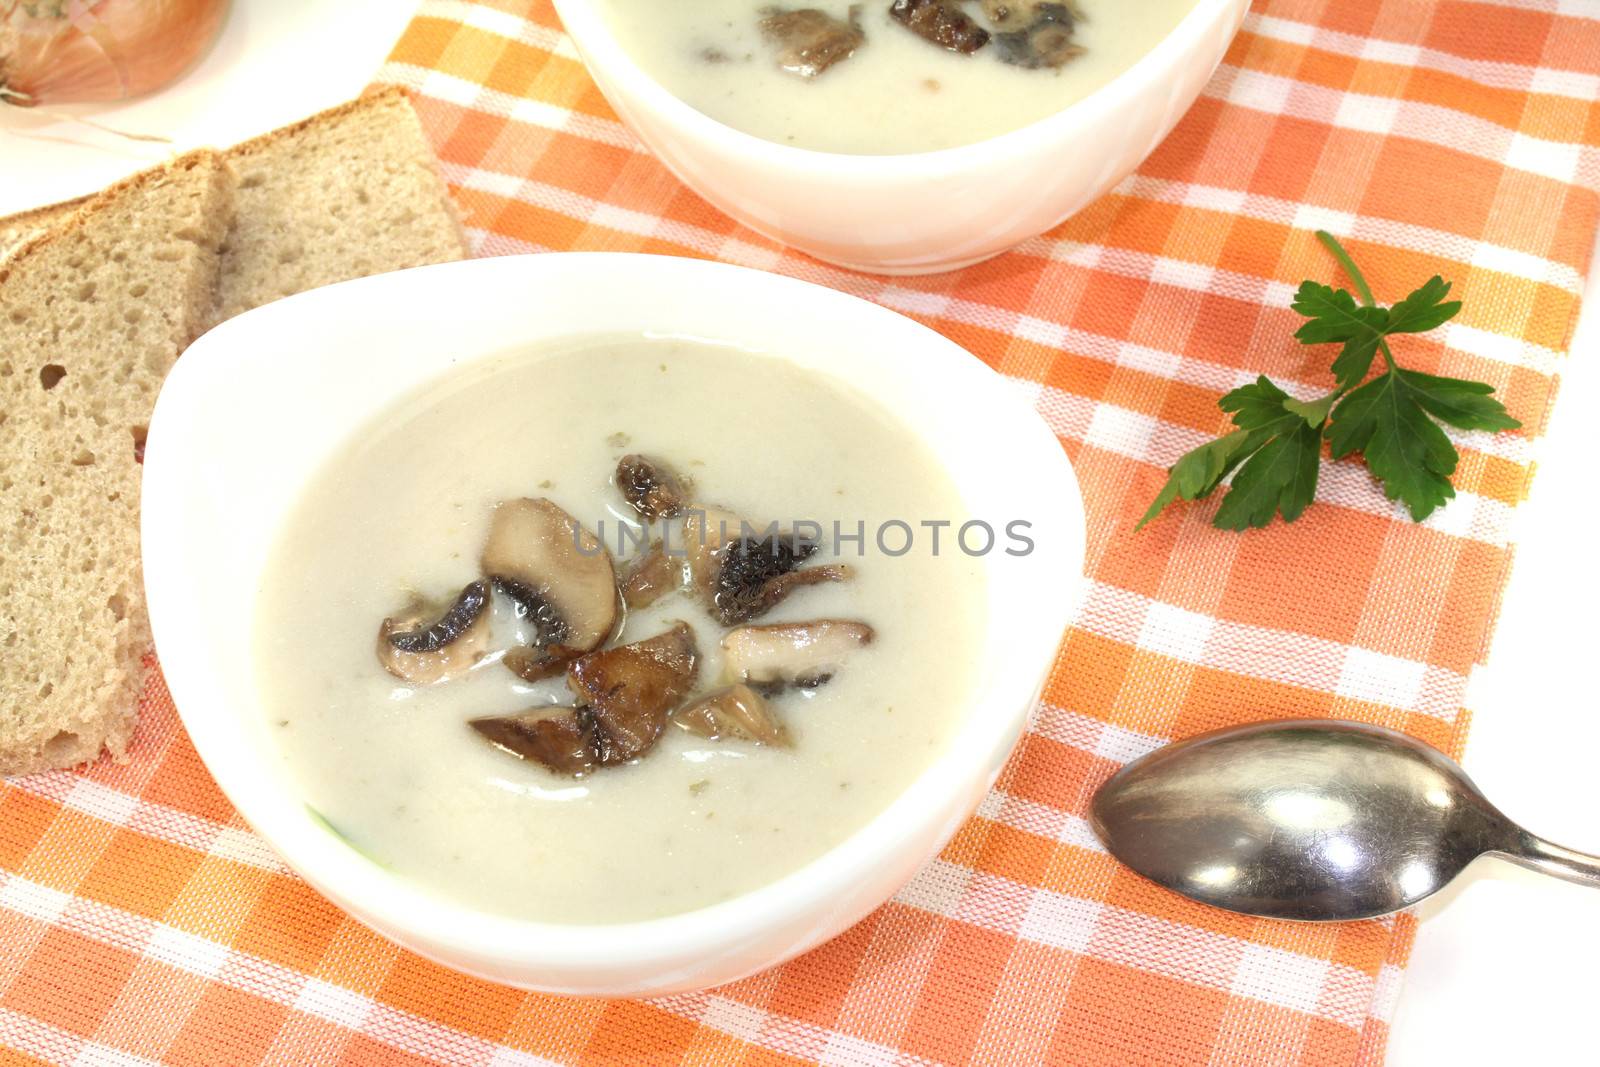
<point x="902" y="136"/>
<point x="448" y="632"/>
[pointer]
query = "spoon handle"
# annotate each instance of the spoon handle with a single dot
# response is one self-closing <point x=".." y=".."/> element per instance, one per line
<point x="1537" y="854"/>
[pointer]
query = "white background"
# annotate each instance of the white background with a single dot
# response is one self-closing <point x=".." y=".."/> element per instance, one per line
<point x="1503" y="967"/>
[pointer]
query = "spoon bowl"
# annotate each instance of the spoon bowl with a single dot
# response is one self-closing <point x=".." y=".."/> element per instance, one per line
<point x="1312" y="820"/>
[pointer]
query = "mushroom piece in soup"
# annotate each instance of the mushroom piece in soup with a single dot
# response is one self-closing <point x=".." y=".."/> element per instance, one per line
<point x="631" y="690"/>
<point x="651" y="487"/>
<point x="809" y="40"/>
<point x="941" y="22"/>
<point x="427" y="644"/>
<point x="735" y="712"/>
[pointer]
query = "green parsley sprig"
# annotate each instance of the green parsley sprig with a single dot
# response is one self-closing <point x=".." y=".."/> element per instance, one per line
<point x="1393" y="420"/>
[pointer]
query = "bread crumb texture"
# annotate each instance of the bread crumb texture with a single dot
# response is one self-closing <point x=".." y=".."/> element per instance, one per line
<point x="91" y="317"/>
<point x="347" y="193"/>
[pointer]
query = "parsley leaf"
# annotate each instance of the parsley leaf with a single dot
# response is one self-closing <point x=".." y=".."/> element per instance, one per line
<point x="1281" y="477"/>
<point x="1274" y="454"/>
<point x="1200" y="470"/>
<point x="1268" y="443"/>
<point x="1404" y="449"/>
<point x="1387" y="421"/>
<point x="1333" y="315"/>
<point x="1259" y="406"/>
<point x="1461" y="403"/>
<point x="1315" y="412"/>
<point x="1424" y="309"/>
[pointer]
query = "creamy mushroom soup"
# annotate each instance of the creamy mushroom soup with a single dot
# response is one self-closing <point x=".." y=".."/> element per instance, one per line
<point x="886" y="76"/>
<point x="463" y="694"/>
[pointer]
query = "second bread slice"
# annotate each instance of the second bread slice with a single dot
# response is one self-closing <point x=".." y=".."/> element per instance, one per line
<point x="346" y="193"/>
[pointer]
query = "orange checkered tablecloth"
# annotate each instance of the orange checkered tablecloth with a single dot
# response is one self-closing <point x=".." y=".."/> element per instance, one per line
<point x="141" y="921"/>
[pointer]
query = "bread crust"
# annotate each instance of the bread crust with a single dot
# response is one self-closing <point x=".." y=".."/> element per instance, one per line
<point x="97" y="202"/>
<point x="26" y="224"/>
<point x="370" y="98"/>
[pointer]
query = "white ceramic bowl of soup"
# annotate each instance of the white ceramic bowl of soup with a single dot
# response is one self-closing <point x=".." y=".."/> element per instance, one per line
<point x="258" y="406"/>
<point x="920" y="212"/>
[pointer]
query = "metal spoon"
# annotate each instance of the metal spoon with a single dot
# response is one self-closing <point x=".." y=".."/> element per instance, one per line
<point x="1310" y="819"/>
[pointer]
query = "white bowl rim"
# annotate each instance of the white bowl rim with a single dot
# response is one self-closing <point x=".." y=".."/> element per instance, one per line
<point x="1024" y="141"/>
<point x="397" y="904"/>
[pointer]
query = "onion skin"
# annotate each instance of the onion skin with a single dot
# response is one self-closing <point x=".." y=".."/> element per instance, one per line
<point x="77" y="51"/>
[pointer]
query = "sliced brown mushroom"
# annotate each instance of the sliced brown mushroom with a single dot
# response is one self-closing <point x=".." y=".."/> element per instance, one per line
<point x="560" y="738"/>
<point x="535" y="611"/>
<point x="805" y="654"/>
<point x="428" y="643"/>
<point x="737" y="712"/>
<point x="534" y="663"/>
<point x="738" y="600"/>
<point x="942" y="23"/>
<point x="742" y="573"/>
<point x="751" y="567"/>
<point x="1045" y="39"/>
<point x="654" y="489"/>
<point x="630" y="690"/>
<point x="652" y="576"/>
<point x="558" y="573"/>
<point x="810" y="41"/>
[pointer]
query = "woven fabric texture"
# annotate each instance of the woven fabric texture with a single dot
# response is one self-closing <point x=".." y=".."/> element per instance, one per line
<point x="141" y="921"/>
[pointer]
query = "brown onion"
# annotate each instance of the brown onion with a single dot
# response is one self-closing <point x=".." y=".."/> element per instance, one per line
<point x="72" y="51"/>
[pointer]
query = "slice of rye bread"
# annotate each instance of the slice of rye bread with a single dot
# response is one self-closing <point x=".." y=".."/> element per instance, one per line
<point x="18" y="230"/>
<point x="348" y="192"/>
<point x="92" y="315"/>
